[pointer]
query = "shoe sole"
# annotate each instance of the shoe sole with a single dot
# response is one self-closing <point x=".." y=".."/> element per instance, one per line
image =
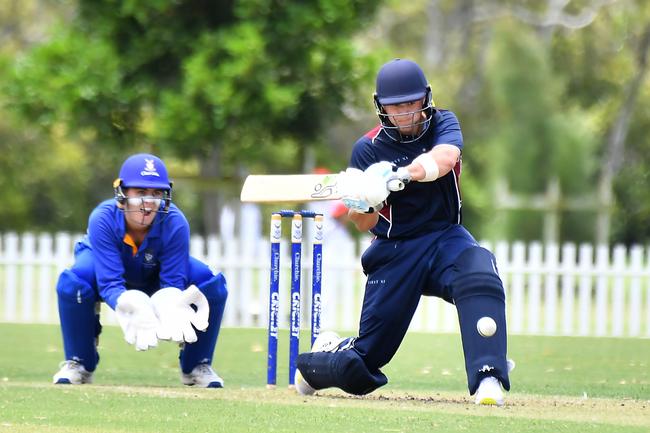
<point x="487" y="401"/>
<point x="209" y="385"/>
<point x="63" y="382"/>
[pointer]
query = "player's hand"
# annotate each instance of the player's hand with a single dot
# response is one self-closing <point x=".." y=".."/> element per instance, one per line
<point x="394" y="177"/>
<point x="137" y="318"/>
<point x="176" y="315"/>
<point x="351" y="186"/>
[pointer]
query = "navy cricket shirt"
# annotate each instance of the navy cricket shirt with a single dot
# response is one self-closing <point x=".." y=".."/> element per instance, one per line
<point x="422" y="207"/>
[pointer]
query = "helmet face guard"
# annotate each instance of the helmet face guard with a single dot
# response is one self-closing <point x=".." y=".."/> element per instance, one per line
<point x="143" y="171"/>
<point x="419" y="122"/>
<point x="400" y="81"/>
<point x="141" y="204"/>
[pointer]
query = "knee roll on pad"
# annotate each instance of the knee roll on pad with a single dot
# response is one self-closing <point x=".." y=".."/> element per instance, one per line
<point x="477" y="275"/>
<point x="71" y="287"/>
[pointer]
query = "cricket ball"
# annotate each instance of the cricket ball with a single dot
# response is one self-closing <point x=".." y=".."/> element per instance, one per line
<point x="486" y="326"/>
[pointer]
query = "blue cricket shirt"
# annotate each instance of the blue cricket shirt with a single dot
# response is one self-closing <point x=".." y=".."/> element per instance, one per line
<point x="162" y="260"/>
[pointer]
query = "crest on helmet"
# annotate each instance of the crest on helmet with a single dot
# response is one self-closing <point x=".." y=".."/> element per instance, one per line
<point x="149" y="168"/>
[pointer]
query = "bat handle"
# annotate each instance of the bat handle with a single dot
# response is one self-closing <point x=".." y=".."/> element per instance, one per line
<point x="396" y="185"/>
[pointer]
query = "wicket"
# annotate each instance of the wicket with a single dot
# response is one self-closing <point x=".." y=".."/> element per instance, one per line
<point x="296" y="270"/>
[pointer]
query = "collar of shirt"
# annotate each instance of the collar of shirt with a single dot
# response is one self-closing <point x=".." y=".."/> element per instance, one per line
<point x="154" y="232"/>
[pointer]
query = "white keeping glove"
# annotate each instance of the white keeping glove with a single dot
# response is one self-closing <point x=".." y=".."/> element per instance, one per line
<point x="137" y="318"/>
<point x="174" y="309"/>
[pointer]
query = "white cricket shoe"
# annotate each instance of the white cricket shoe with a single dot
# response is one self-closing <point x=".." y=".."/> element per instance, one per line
<point x="327" y="341"/>
<point x="489" y="391"/>
<point x="72" y="373"/>
<point x="202" y="376"/>
<point x="302" y="387"/>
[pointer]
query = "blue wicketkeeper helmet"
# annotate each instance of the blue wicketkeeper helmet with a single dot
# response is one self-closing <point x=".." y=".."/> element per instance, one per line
<point x="400" y="81"/>
<point x="143" y="171"/>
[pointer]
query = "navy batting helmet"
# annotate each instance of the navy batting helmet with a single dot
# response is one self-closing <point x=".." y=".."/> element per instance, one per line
<point x="400" y="81"/>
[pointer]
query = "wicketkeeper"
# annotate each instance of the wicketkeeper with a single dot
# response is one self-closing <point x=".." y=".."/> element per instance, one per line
<point x="135" y="258"/>
<point x="420" y="247"/>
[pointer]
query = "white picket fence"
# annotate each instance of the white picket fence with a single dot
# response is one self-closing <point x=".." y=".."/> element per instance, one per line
<point x="551" y="290"/>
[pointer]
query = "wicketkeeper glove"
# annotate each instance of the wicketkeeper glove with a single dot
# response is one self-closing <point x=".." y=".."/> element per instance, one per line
<point x="137" y="318"/>
<point x="176" y="315"/>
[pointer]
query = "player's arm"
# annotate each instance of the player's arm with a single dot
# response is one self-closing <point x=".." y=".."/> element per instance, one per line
<point x="133" y="308"/>
<point x="434" y="164"/>
<point x="109" y="269"/>
<point x="175" y="255"/>
<point x="173" y="302"/>
<point x="363" y="221"/>
<point x="446" y="151"/>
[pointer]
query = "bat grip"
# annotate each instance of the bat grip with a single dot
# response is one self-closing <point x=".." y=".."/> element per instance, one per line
<point x="396" y="185"/>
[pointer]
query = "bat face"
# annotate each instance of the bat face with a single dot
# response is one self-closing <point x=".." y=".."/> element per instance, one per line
<point x="325" y="188"/>
<point x="290" y="188"/>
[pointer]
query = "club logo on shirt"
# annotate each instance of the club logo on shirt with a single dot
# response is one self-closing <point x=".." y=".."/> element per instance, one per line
<point x="148" y="258"/>
<point x="149" y="168"/>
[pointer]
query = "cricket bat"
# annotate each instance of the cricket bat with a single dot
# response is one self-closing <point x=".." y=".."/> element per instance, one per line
<point x="268" y="188"/>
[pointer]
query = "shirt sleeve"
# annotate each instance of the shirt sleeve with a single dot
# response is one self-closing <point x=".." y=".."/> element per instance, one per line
<point x="448" y="130"/>
<point x="362" y="155"/>
<point x="109" y="269"/>
<point x="175" y="254"/>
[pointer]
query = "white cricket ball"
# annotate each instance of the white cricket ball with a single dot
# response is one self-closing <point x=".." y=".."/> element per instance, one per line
<point x="486" y="326"/>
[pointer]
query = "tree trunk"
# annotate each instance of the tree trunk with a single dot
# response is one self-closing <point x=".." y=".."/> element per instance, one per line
<point x="614" y="154"/>
<point x="211" y="199"/>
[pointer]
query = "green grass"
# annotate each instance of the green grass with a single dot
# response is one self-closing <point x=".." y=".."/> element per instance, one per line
<point x="560" y="385"/>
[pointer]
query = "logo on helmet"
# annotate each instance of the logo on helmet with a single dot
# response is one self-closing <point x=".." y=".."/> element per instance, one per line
<point x="149" y="168"/>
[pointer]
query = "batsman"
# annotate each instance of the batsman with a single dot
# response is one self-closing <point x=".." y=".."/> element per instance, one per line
<point x="420" y="247"/>
<point x="135" y="258"/>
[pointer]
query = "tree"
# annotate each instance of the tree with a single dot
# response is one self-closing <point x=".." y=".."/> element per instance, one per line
<point x="238" y="85"/>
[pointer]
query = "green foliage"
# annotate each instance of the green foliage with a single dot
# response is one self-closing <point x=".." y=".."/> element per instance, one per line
<point x="72" y="81"/>
<point x="537" y="136"/>
<point x="47" y="183"/>
<point x="272" y="86"/>
<point x="252" y="81"/>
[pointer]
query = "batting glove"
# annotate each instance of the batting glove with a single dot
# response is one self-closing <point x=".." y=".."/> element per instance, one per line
<point x="351" y="185"/>
<point x="176" y="315"/>
<point x="137" y="318"/>
<point x="394" y="178"/>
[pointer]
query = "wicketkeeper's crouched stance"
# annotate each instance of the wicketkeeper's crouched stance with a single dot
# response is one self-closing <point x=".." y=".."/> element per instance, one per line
<point x="135" y="257"/>
<point x="420" y="248"/>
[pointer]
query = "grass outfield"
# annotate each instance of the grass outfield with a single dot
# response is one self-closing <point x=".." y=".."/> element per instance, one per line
<point x="560" y="385"/>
